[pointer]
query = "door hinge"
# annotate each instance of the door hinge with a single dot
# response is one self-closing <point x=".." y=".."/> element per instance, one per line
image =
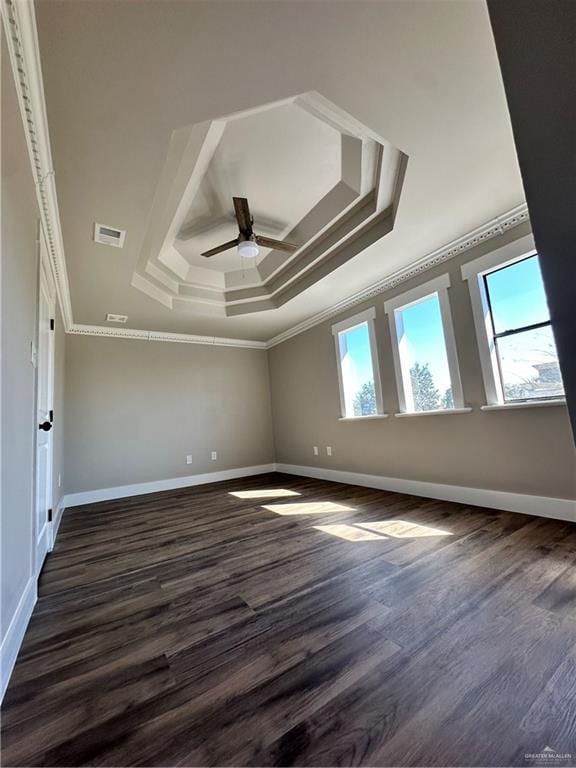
<point x="49" y="515"/>
<point x="51" y="416"/>
<point x="51" y="323"/>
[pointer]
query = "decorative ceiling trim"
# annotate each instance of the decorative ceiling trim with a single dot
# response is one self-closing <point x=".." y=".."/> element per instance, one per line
<point x="492" y="228"/>
<point x="183" y="338"/>
<point x="360" y="204"/>
<point x="22" y="42"/>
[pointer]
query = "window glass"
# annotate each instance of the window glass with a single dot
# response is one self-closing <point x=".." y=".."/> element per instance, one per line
<point x="423" y="357"/>
<point x="357" y="371"/>
<point x="529" y="365"/>
<point x="526" y="352"/>
<point x="517" y="297"/>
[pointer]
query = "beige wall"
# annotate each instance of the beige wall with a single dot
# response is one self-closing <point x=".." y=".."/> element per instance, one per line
<point x="525" y="451"/>
<point x="19" y="287"/>
<point x="135" y="409"/>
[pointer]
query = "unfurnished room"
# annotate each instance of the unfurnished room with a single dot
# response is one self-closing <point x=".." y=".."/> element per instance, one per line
<point x="288" y="383"/>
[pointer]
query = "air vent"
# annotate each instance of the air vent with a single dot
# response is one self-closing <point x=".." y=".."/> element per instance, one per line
<point x="109" y="235"/>
<point x="111" y="318"/>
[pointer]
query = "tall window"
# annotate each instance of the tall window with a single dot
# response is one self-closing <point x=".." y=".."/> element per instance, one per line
<point x="358" y="375"/>
<point x="424" y="349"/>
<point x="520" y="324"/>
<point x="517" y="349"/>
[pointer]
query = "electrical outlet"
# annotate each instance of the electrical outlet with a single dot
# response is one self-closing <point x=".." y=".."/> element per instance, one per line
<point x="189" y="459"/>
<point x="59" y="480"/>
<point x="328" y="450"/>
<point x="214" y="455"/>
<point x="315" y="449"/>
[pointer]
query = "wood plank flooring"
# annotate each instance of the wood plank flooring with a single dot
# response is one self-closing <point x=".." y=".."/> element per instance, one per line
<point x="278" y="620"/>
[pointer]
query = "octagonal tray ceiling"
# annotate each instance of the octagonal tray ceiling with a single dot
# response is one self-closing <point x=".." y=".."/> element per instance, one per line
<point x="313" y="175"/>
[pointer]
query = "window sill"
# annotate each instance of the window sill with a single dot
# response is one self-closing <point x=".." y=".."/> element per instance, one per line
<point x="439" y="412"/>
<point x="364" y="418"/>
<point x="515" y="406"/>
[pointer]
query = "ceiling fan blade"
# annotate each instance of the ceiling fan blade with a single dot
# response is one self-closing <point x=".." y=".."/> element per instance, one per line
<point x="220" y="248"/>
<point x="278" y="245"/>
<point x="243" y="217"/>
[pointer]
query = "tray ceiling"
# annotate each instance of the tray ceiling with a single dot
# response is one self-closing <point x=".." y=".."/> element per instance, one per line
<point x="421" y="78"/>
<point x="336" y="184"/>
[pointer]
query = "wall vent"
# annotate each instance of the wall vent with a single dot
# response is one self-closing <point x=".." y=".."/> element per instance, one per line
<point x="109" y="235"/>
<point x="111" y="318"/>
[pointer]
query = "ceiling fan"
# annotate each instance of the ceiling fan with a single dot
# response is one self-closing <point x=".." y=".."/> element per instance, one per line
<point x="247" y="242"/>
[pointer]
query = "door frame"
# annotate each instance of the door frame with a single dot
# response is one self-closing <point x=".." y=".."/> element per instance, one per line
<point x="46" y="287"/>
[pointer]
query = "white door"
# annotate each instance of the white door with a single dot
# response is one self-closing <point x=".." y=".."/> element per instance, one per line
<point x="44" y="410"/>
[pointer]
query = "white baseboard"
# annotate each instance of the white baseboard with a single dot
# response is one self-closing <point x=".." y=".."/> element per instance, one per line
<point x="15" y="634"/>
<point x="137" y="489"/>
<point x="543" y="506"/>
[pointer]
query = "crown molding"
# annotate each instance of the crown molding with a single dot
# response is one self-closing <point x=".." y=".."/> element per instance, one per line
<point x="182" y="338"/>
<point x="22" y="43"/>
<point x="492" y="228"/>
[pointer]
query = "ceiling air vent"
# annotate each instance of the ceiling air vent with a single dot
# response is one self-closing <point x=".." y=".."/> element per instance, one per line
<point x="109" y="235"/>
<point x="111" y="318"/>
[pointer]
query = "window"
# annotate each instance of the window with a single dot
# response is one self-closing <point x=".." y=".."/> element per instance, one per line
<point x="517" y="349"/>
<point x="358" y="374"/>
<point x="424" y="349"/>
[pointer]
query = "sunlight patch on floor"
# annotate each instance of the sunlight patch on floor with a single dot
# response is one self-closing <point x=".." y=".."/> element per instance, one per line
<point x="403" y="529"/>
<point x="349" y="532"/>
<point x="265" y="493"/>
<point x="381" y="530"/>
<point x="307" y="508"/>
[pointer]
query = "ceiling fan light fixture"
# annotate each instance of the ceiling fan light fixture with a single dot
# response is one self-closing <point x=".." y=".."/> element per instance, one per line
<point x="247" y="242"/>
<point x="248" y="249"/>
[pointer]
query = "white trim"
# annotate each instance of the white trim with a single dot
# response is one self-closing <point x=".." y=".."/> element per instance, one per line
<point x="15" y="633"/>
<point x="451" y="349"/>
<point x="501" y="257"/>
<point x="473" y="272"/>
<point x="394" y="333"/>
<point x="523" y="404"/>
<point x="154" y="486"/>
<point x="436" y="412"/>
<point x="364" y="418"/>
<point x="47" y="292"/>
<point x="487" y="231"/>
<point x="184" y="338"/>
<point x="351" y="322"/>
<point x="414" y="295"/>
<point x="542" y="506"/>
<point x="393" y="308"/>
<point x="22" y="43"/>
<point x="367" y="317"/>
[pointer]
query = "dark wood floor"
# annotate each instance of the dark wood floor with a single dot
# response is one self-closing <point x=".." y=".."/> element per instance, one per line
<point x="336" y="626"/>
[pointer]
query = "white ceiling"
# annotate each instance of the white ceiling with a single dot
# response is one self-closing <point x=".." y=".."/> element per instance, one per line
<point x="283" y="160"/>
<point x="121" y="77"/>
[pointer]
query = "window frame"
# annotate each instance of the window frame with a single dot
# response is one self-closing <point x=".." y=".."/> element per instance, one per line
<point x="437" y="287"/>
<point x="474" y="273"/>
<point x="367" y="318"/>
